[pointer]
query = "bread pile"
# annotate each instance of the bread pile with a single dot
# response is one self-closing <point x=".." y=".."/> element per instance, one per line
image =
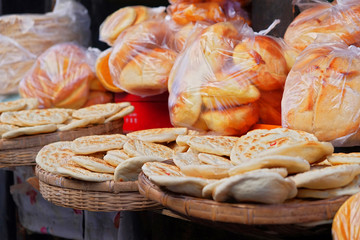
<point x="21" y="117"/>
<point x="321" y="93"/>
<point x="24" y="37"/>
<point x="109" y="157"/>
<point x="264" y="166"/>
<point x="227" y="79"/>
<point x="63" y="77"/>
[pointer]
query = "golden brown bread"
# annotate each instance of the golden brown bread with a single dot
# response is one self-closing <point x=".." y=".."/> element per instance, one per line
<point x="270" y="106"/>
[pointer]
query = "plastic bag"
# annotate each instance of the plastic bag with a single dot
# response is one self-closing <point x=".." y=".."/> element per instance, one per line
<point x="62" y="76"/>
<point x="212" y="12"/>
<point x="346" y="221"/>
<point x="227" y="79"/>
<point x="334" y="20"/>
<point x="142" y="57"/>
<point x="25" y="36"/>
<point x="321" y="94"/>
<point x="126" y="17"/>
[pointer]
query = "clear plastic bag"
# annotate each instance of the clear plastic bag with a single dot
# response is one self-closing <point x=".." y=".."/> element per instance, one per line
<point x="142" y="57"/>
<point x="62" y="76"/>
<point x="227" y="79"/>
<point x="25" y="36"/>
<point x="335" y="20"/>
<point x="321" y="94"/>
<point x="207" y="11"/>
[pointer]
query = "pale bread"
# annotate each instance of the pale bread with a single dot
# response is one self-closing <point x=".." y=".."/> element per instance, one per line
<point x="344" y="158"/>
<point x="185" y="159"/>
<point x="151" y="169"/>
<point x="31" y="103"/>
<point x="10" y="118"/>
<point x="218" y="145"/>
<point x="262" y="187"/>
<point x="103" y="110"/>
<point x="216" y="160"/>
<point x="136" y="148"/>
<point x="36" y="117"/>
<point x="206" y="171"/>
<point x="115" y="157"/>
<point x="75" y="171"/>
<point x="208" y="189"/>
<point x="280" y="141"/>
<point x="93" y="164"/>
<point x="184" y="185"/>
<point x="4" y="127"/>
<point x="327" y="177"/>
<point x="122" y="113"/>
<point x="12" y="106"/>
<point x="30" y="130"/>
<point x="53" y="155"/>
<point x="98" y="143"/>
<point x="79" y="123"/>
<point x="158" y="134"/>
<point x="292" y="164"/>
<point x="130" y="169"/>
<point x="350" y="189"/>
<point x="177" y="148"/>
<point x="182" y="140"/>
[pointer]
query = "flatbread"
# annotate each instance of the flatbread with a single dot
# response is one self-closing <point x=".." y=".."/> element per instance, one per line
<point x="75" y="171"/>
<point x="182" y="140"/>
<point x="31" y="103"/>
<point x="98" y="143"/>
<point x="292" y="164"/>
<point x="37" y="117"/>
<point x="206" y="171"/>
<point x="4" y="127"/>
<point x="255" y="186"/>
<point x="151" y="169"/>
<point x="98" y="110"/>
<point x="185" y="159"/>
<point x="136" y="148"/>
<point x="10" y="118"/>
<point x="115" y="157"/>
<point x="158" y="134"/>
<point x="130" y="169"/>
<point x="350" y="189"/>
<point x="280" y="141"/>
<point x="122" y="113"/>
<point x="79" y="123"/>
<point x="93" y="164"/>
<point x="327" y="177"/>
<point x="218" y="145"/>
<point x="29" y="131"/>
<point x="216" y="160"/>
<point x="177" y="148"/>
<point x="53" y="155"/>
<point x="12" y="106"/>
<point x="207" y="191"/>
<point x="344" y="158"/>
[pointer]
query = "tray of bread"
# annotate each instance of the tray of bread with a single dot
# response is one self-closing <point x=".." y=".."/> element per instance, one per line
<point x="25" y="129"/>
<point x="266" y="177"/>
<point x="100" y="172"/>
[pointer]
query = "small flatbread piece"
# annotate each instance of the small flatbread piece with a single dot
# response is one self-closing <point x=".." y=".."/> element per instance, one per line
<point x="344" y="158"/>
<point x="76" y="171"/>
<point x="30" y="131"/>
<point x="158" y="134"/>
<point x="4" y="127"/>
<point x="115" y="157"/>
<point x="93" y="164"/>
<point x="136" y="148"/>
<point x="11" y="106"/>
<point x="122" y="113"/>
<point x="37" y="117"/>
<point x="79" y="123"/>
<point x="98" y="110"/>
<point x="98" y="143"/>
<point x="218" y="145"/>
<point x="151" y="169"/>
<point x="216" y="160"/>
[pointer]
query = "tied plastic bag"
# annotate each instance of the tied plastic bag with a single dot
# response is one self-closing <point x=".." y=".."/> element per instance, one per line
<point x="321" y="94"/>
<point x="126" y="17"/>
<point x="63" y="76"/>
<point x="227" y="79"/>
<point x="207" y="11"/>
<point x="340" y="19"/>
<point x="141" y="59"/>
<point x="25" y="36"/>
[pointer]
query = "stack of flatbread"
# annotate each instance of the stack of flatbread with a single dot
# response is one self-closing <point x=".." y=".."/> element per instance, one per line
<point x="265" y="166"/>
<point x="21" y="117"/>
<point x="109" y="157"/>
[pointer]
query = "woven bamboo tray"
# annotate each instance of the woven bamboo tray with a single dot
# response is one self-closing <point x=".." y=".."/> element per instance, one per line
<point x="21" y="151"/>
<point x="291" y="212"/>
<point x="106" y="196"/>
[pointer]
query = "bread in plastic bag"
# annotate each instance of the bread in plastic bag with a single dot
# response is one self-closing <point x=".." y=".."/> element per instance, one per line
<point x="210" y="11"/>
<point x="25" y="36"/>
<point x="334" y="20"/>
<point x="142" y="57"/>
<point x="62" y="76"/>
<point x="227" y="79"/>
<point x="346" y="221"/>
<point x="321" y="94"/>
<point x="126" y="17"/>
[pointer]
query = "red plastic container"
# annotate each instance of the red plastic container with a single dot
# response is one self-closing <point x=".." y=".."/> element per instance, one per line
<point x="150" y="112"/>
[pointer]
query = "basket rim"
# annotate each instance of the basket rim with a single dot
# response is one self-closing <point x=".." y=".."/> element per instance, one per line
<point x="292" y="212"/>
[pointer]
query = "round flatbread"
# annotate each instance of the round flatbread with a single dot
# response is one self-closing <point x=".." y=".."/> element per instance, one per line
<point x="93" y="164"/>
<point x="79" y="123"/>
<point x="122" y="113"/>
<point x="98" y="110"/>
<point x="218" y="145"/>
<point x="4" y="127"/>
<point x="216" y="160"/>
<point x="29" y="131"/>
<point x="151" y="169"/>
<point x="12" y="106"/>
<point x="37" y="117"/>
<point x="158" y="134"/>
<point x="98" y="143"/>
<point x="344" y="158"/>
<point x="137" y="148"/>
<point x="115" y="157"/>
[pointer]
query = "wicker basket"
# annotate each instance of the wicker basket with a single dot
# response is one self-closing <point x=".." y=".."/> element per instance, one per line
<point x="103" y="196"/>
<point x="21" y="151"/>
